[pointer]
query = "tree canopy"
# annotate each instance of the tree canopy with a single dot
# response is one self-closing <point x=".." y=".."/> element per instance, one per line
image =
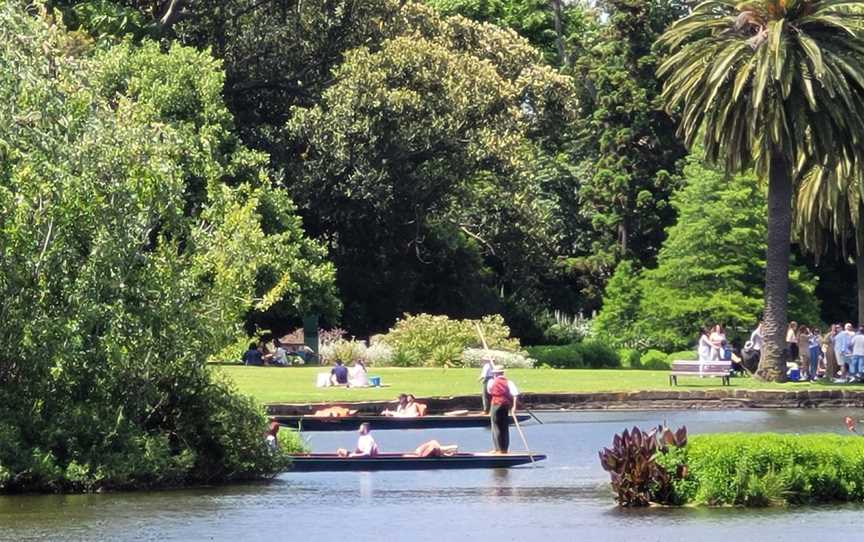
<point x="136" y="234"/>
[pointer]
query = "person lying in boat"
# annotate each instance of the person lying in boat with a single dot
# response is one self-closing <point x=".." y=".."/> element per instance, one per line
<point x="366" y="445"/>
<point x="433" y="448"/>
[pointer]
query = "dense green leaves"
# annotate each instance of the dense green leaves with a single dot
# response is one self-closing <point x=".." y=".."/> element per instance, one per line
<point x="134" y="243"/>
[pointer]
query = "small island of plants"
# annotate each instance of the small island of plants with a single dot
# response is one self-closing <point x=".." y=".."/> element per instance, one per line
<point x="663" y="467"/>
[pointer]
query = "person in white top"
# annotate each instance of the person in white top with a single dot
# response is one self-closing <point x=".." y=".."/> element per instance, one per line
<point x="357" y="375"/>
<point x="718" y="342"/>
<point x="366" y="445"/>
<point x="485" y="376"/>
<point x="856" y="369"/>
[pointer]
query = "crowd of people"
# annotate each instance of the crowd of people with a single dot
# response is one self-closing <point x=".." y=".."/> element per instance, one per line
<point x="836" y="355"/>
<point x="275" y="353"/>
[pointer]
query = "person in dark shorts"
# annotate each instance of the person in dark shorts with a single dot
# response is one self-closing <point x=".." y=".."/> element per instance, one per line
<point x="502" y="405"/>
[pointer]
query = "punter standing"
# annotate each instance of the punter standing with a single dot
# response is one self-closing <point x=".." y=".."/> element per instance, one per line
<point x="502" y="399"/>
<point x="485" y="377"/>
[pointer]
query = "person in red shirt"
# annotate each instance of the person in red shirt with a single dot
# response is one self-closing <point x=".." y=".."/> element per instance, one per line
<point x="502" y="398"/>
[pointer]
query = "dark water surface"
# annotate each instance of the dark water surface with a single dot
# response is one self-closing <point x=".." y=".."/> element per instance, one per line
<point x="566" y="498"/>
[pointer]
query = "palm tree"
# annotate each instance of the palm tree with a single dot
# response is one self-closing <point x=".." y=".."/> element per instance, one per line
<point x="777" y="85"/>
<point x="829" y="210"/>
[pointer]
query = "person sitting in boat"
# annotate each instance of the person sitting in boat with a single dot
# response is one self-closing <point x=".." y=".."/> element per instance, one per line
<point x="339" y="374"/>
<point x="366" y="445"/>
<point x="503" y="395"/>
<point x="270" y="436"/>
<point x="433" y="448"/>
<point x="357" y="375"/>
<point x="400" y="408"/>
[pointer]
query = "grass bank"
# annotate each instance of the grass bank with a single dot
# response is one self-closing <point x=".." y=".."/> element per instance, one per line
<point x="297" y="384"/>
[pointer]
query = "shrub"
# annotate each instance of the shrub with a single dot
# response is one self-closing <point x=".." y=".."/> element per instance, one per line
<point x="473" y="357"/>
<point x="560" y="357"/>
<point x="685" y="355"/>
<point x="379" y="354"/>
<point x="637" y="478"/>
<point x="560" y="328"/>
<point x="576" y="356"/>
<point x="438" y="340"/>
<point x="629" y="357"/>
<point x="654" y="359"/>
<point x="768" y="469"/>
<point x="342" y="350"/>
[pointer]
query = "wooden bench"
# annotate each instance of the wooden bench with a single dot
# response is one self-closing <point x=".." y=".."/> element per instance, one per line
<point x="721" y="368"/>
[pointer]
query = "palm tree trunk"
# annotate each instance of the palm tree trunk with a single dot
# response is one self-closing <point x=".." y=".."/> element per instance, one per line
<point x="772" y="365"/>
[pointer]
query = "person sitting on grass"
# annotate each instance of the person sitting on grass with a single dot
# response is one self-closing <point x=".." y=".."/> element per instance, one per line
<point x="253" y="356"/>
<point x="339" y="374"/>
<point x="358" y="377"/>
<point x="366" y="445"/>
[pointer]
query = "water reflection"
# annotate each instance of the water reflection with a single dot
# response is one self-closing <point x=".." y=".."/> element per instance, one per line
<point x="566" y="497"/>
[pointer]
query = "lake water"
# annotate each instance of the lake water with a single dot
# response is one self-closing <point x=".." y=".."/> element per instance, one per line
<point x="566" y="497"/>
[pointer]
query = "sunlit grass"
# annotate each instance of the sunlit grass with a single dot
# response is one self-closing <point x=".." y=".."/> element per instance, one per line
<point x="297" y="384"/>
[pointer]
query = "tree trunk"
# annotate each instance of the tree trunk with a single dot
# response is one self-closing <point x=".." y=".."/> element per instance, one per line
<point x="772" y="365"/>
<point x="859" y="265"/>
<point x="559" y="33"/>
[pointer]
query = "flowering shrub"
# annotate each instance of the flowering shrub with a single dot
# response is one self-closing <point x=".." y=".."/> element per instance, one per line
<point x="473" y="357"/>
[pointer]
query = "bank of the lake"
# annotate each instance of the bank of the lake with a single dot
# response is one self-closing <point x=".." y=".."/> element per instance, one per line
<point x="543" y="388"/>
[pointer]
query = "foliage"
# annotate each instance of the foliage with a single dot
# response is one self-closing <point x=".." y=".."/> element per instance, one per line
<point x="710" y="269"/>
<point x="777" y="85"/>
<point x="475" y="357"/>
<point x="413" y="160"/>
<point x="378" y="354"/>
<point x="617" y="322"/>
<point x="654" y="360"/>
<point x="576" y="356"/>
<point x="439" y="340"/>
<point x="637" y="478"/>
<point x="630" y="357"/>
<point x="562" y="328"/>
<point x="772" y="469"/>
<point x="136" y="234"/>
<point x="684" y="355"/>
<point x="343" y="350"/>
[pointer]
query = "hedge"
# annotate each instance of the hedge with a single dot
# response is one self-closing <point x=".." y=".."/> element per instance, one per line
<point x="588" y="354"/>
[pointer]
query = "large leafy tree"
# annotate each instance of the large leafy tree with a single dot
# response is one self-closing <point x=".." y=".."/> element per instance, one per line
<point x="136" y="234"/>
<point x="777" y="84"/>
<point x="411" y="165"/>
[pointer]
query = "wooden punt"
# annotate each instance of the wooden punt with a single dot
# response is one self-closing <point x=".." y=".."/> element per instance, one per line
<point x="378" y="423"/>
<point x="332" y="462"/>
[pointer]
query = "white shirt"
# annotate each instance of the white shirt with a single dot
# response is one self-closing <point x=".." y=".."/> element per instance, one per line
<point x="756" y="339"/>
<point x="366" y="445"/>
<point x="484" y="372"/>
<point x="510" y="386"/>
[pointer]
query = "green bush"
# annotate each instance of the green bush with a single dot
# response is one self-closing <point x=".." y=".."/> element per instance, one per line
<point x="587" y="354"/>
<point x="654" y="359"/>
<point x="629" y="358"/>
<point x="474" y="357"/>
<point x="685" y="355"/>
<point x="437" y="341"/>
<point x="769" y="469"/>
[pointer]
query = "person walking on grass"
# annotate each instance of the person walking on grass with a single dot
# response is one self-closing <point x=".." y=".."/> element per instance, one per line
<point x="503" y="400"/>
<point x="815" y="351"/>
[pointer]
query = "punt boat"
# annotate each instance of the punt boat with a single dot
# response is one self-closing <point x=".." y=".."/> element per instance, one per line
<point x="333" y="462"/>
<point x="378" y="422"/>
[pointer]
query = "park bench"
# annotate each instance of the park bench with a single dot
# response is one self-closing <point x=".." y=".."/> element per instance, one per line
<point x="721" y="368"/>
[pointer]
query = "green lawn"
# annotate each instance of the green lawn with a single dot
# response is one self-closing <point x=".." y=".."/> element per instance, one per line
<point x="297" y="384"/>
